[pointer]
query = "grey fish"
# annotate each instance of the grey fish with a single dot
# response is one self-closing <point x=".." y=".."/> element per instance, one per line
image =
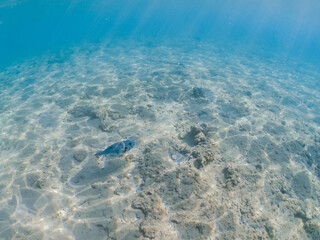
<point x="117" y="148"/>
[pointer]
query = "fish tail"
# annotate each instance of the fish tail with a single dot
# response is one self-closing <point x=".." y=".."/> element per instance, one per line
<point x="100" y="153"/>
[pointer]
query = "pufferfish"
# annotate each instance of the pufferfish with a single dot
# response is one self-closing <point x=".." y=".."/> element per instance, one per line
<point x="118" y="148"/>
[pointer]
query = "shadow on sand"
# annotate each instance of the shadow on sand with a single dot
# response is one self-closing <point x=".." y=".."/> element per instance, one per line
<point x="92" y="173"/>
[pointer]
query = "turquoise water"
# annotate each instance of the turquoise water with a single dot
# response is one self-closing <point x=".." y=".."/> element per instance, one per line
<point x="221" y="99"/>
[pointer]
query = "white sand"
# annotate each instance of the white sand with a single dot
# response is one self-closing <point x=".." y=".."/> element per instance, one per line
<point x="250" y="172"/>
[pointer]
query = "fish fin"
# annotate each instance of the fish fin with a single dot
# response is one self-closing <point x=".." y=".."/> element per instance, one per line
<point x="100" y="153"/>
<point x="123" y="137"/>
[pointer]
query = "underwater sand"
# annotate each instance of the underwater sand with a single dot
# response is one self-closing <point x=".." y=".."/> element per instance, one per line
<point x="227" y="145"/>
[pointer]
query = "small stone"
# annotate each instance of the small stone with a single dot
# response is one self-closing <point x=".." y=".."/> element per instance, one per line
<point x="80" y="155"/>
<point x="195" y="136"/>
<point x="198" y="92"/>
<point x="148" y="232"/>
<point x="199" y="138"/>
<point x="232" y="176"/>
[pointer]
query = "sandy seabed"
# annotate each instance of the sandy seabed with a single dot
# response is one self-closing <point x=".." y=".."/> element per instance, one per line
<point x="227" y="145"/>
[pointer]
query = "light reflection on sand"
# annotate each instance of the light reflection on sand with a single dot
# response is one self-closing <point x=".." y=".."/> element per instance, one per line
<point x="227" y="145"/>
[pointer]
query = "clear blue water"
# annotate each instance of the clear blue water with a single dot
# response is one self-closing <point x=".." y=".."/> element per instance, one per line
<point x="222" y="100"/>
<point x="29" y="28"/>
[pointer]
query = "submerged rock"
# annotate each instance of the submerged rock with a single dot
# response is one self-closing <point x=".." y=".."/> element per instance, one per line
<point x="232" y="176"/>
<point x="80" y="155"/>
<point x="196" y="135"/>
<point x="198" y="92"/>
<point x="202" y="93"/>
<point x="147" y="230"/>
<point x="202" y="148"/>
<point x="204" y="155"/>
